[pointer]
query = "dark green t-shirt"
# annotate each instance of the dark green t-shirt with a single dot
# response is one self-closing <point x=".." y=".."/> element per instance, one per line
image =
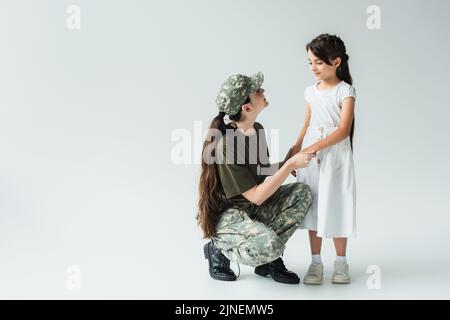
<point x="245" y="164"/>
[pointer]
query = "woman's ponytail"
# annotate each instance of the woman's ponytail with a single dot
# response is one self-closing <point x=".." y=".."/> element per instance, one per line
<point x="210" y="188"/>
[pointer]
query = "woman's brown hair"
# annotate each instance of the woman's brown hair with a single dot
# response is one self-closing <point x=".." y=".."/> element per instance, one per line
<point x="210" y="188"/>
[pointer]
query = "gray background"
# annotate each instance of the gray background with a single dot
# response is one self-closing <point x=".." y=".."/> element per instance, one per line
<point x="86" y="119"/>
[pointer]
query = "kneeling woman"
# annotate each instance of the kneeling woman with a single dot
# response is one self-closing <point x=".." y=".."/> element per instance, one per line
<point x="248" y="219"/>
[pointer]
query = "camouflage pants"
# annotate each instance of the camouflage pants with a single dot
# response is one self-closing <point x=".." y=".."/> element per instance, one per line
<point x="255" y="235"/>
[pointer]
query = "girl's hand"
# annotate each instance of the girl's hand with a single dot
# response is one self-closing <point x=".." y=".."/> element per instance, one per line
<point x="300" y="160"/>
<point x="296" y="148"/>
<point x="310" y="150"/>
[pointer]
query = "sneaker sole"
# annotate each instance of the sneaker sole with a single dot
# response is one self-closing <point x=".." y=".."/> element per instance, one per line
<point x="336" y="281"/>
<point x="313" y="282"/>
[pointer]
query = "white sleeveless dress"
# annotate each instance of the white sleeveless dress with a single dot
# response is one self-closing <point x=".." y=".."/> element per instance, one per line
<point x="331" y="174"/>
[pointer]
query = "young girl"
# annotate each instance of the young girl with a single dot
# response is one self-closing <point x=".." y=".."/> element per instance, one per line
<point x="328" y="132"/>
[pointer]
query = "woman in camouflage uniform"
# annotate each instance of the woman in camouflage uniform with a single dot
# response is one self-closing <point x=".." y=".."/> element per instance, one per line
<point x="248" y="219"/>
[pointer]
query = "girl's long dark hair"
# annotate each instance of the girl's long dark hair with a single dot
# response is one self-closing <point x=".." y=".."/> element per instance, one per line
<point x="210" y="188"/>
<point x="327" y="48"/>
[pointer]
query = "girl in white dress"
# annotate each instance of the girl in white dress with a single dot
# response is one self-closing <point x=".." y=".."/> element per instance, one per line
<point x="328" y="132"/>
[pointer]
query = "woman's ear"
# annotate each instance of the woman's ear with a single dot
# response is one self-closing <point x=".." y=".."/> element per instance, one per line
<point x="247" y="107"/>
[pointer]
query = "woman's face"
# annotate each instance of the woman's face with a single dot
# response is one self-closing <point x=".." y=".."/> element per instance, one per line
<point x="258" y="99"/>
<point x="320" y="69"/>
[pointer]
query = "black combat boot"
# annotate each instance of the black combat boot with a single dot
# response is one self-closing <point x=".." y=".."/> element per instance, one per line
<point x="277" y="271"/>
<point x="219" y="265"/>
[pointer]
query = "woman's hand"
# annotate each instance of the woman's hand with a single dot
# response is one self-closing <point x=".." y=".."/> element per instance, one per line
<point x="300" y="160"/>
<point x="311" y="151"/>
<point x="294" y="149"/>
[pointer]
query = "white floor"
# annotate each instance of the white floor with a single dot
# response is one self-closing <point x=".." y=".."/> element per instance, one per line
<point x="179" y="271"/>
<point x="400" y="277"/>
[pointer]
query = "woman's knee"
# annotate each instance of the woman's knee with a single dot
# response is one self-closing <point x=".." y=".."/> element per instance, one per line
<point x="263" y="248"/>
<point x="302" y="193"/>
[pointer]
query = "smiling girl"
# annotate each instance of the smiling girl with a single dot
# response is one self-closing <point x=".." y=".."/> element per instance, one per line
<point x="328" y="132"/>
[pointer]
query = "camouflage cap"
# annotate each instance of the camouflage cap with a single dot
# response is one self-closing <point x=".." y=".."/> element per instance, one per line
<point x="235" y="90"/>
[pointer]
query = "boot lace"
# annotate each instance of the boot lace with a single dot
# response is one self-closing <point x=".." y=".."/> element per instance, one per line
<point x="225" y="262"/>
<point x="279" y="264"/>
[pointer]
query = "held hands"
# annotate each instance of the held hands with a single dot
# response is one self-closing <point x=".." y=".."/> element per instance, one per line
<point x="300" y="160"/>
<point x="293" y="150"/>
<point x="311" y="150"/>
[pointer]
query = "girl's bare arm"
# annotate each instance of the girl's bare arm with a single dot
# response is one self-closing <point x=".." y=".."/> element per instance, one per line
<point x="298" y="144"/>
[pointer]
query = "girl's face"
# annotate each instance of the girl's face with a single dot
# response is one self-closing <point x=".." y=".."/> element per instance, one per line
<point x="320" y="69"/>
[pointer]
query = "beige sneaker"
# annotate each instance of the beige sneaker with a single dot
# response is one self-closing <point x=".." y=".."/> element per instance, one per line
<point x="341" y="273"/>
<point x="314" y="274"/>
